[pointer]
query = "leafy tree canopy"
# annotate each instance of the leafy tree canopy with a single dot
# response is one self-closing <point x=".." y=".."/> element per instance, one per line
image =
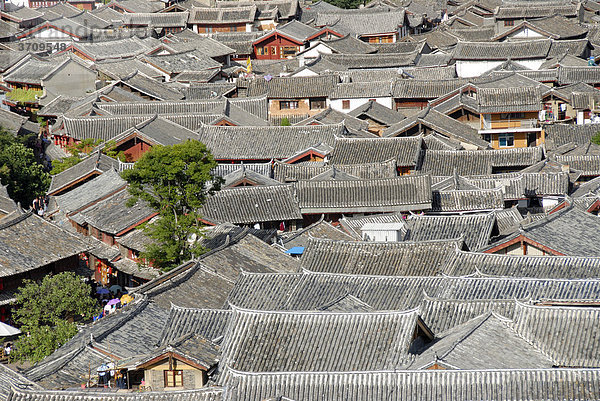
<point x="110" y="150"/>
<point x="285" y="122"/>
<point x="596" y="139"/>
<point x="58" y="166"/>
<point x="175" y="181"/>
<point x="20" y="171"/>
<point x="346" y="3"/>
<point x="46" y="311"/>
<point x="85" y="146"/>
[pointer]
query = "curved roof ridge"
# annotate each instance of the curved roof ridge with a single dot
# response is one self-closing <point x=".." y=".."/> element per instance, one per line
<point x="240" y="310"/>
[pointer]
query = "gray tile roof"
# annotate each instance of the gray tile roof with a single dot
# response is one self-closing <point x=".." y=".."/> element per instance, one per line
<point x="12" y="122"/>
<point x="467" y="296"/>
<point x="243" y="176"/>
<point x="255" y="105"/>
<point x="405" y="151"/>
<point x="112" y="215"/>
<point x="245" y="253"/>
<point x="589" y="165"/>
<point x="535" y="11"/>
<point x="372" y="89"/>
<point x="571" y="75"/>
<point x="188" y="40"/>
<point x="439" y="123"/>
<point x="104" y="128"/>
<point x="426" y="258"/>
<point x="151" y="87"/>
<point x="121" y="68"/>
<point x="9" y="379"/>
<point x="128" y="332"/>
<point x="424" y="88"/>
<point x="474" y="229"/>
<point x="555" y="27"/>
<point x="317" y="341"/>
<point x="320" y="229"/>
<point x="423" y="75"/>
<point x="330" y="116"/>
<point x="225" y="15"/>
<point x="362" y="23"/>
<point x="204" y="394"/>
<point x="589" y="188"/>
<point x="190" y="285"/>
<point x="20" y="14"/>
<point x="362" y="61"/>
<point x="477" y="162"/>
<point x="509" y="385"/>
<point x="138" y="6"/>
<point x="503" y="100"/>
<point x="314" y="291"/>
<point x="32" y="70"/>
<point x="467" y="200"/>
<point x="249" y="205"/>
<point x="159" y="131"/>
<point x="240" y="42"/>
<point x="551" y="330"/>
<point x="348" y="44"/>
<point x="224" y="169"/>
<point x="92" y="191"/>
<point x="156" y="20"/>
<point x="293" y="87"/>
<point x="560" y="267"/>
<point x="502" y="50"/>
<point x="287" y="8"/>
<point x="295" y="30"/>
<point x="191" y="60"/>
<point x="285" y="172"/>
<point x="265" y="143"/>
<point x="442" y="315"/>
<point x="208" y="323"/>
<point x="365" y="196"/>
<point x="95" y="164"/>
<point x="208" y="90"/>
<point x="523" y="185"/>
<point x="484" y="342"/>
<point x="561" y="134"/>
<point x="570" y="231"/>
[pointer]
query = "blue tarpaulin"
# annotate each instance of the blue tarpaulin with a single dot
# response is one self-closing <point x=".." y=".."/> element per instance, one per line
<point x="297" y="250"/>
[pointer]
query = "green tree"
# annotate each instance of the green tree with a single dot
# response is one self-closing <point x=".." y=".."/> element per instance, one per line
<point x="85" y="147"/>
<point x="175" y="181"/>
<point x="110" y="150"/>
<point x="47" y="310"/>
<point x="60" y="165"/>
<point x="596" y="139"/>
<point x="20" y="171"/>
<point x="347" y="3"/>
<point x="285" y="122"/>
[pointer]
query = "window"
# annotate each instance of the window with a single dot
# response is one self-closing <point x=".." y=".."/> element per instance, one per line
<point x="288" y="51"/>
<point x="288" y="104"/>
<point x="509" y="22"/>
<point x="261" y="51"/>
<point x="506" y="140"/>
<point x="318" y="103"/>
<point x="345" y="104"/>
<point x="512" y="116"/>
<point x="273" y="50"/>
<point x="173" y="378"/>
<point x="487" y="137"/>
